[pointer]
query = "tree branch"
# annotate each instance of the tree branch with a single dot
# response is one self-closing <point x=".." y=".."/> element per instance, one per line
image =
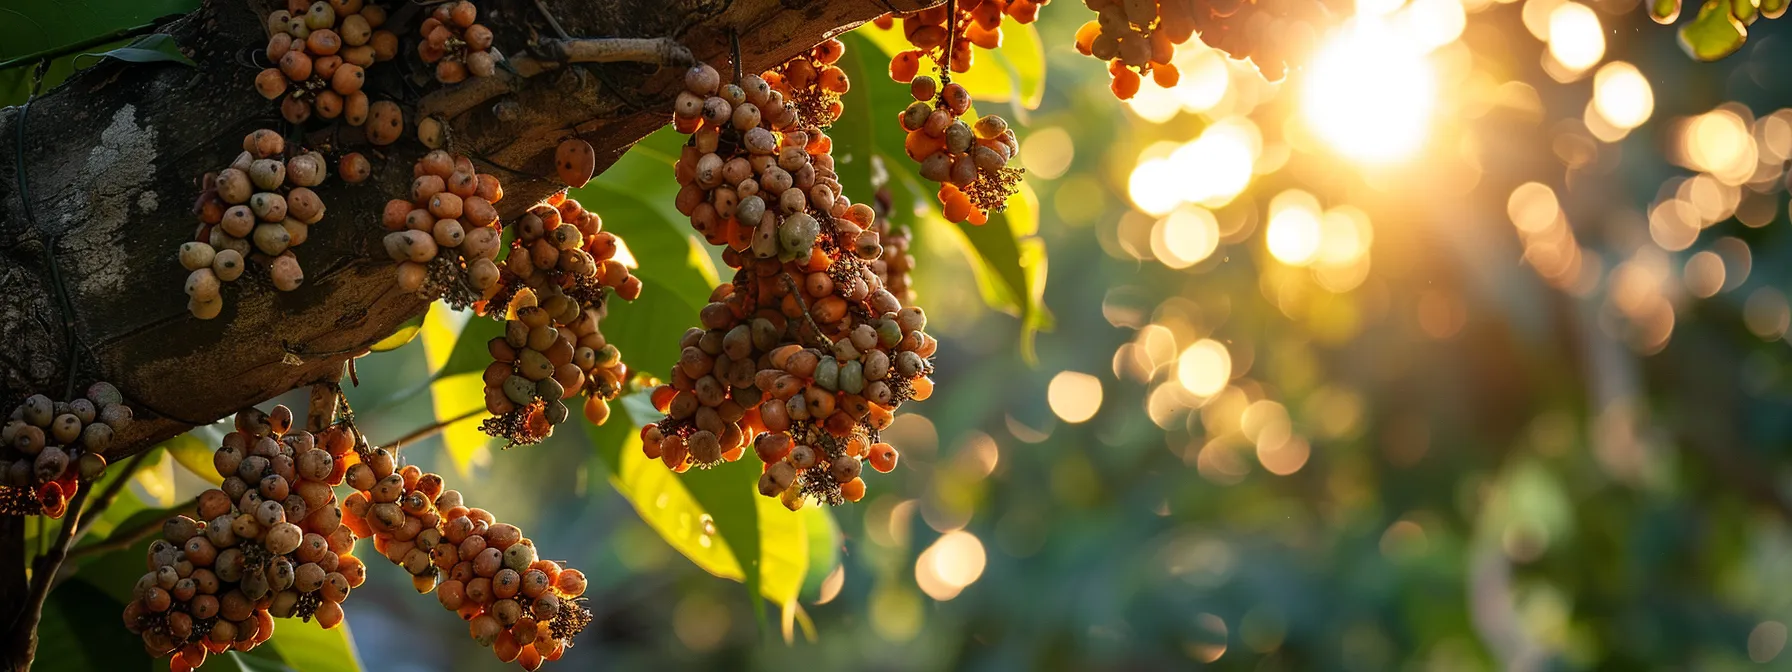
<point x="23" y="646"/>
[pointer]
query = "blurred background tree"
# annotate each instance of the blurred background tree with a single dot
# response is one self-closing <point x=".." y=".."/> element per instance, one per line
<point x="1462" y="347"/>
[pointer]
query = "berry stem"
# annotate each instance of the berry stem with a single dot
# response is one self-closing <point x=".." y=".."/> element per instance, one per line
<point x="431" y="429"/>
<point x="951" y="39"/>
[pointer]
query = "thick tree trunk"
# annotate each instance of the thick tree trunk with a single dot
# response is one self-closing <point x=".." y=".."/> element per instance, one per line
<point x="113" y="160"/>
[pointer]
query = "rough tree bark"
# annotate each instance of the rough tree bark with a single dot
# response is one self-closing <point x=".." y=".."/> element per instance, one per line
<point x="114" y="157"/>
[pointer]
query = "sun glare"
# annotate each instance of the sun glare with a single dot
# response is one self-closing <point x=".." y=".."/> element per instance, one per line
<point x="1370" y="92"/>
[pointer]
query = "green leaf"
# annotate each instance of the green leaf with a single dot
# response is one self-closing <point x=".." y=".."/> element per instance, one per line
<point x="1713" y="34"/>
<point x="80" y="630"/>
<point x="455" y="394"/>
<point x="154" y="48"/>
<point x="714" y="516"/>
<point x="664" y="250"/>
<point x="663" y="502"/>
<point x="647" y="329"/>
<point x="193" y="451"/>
<point x="405" y="333"/>
<point x="1009" y="261"/>
<point x="31" y="27"/>
<point x="824" y="548"/>
<point x="308" y="647"/>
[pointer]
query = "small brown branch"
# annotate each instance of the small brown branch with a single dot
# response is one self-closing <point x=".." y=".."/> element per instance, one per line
<point x="449" y="102"/>
<point x="654" y="50"/>
<point x="120" y="540"/>
<point x="23" y="646"/>
<point x="430" y="430"/>
<point x="325" y="394"/>
<point x="791" y="286"/>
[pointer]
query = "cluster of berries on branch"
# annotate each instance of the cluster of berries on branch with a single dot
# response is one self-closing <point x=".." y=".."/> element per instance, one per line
<point x="969" y="161"/>
<point x="938" y="33"/>
<point x="813" y="83"/>
<point x="445" y="235"/>
<point x="49" y="448"/>
<point x="525" y="608"/>
<point x="1139" y="37"/>
<point x="896" y="263"/>
<point x="804" y="355"/>
<point x="320" y="52"/>
<point x="259" y="208"/>
<point x="457" y="44"/>
<point x="268" y="543"/>
<point x="552" y="295"/>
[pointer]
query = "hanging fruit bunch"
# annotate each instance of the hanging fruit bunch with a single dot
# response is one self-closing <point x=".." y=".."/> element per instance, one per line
<point x="804" y="355"/>
<point x="813" y="83"/>
<point x="970" y="161"/>
<point x="1139" y="37"/>
<point x="320" y="52"/>
<point x="267" y="543"/>
<point x="527" y="609"/>
<point x="49" y="448"/>
<point x="445" y="235"/>
<point x="895" y="264"/>
<point x="456" y="43"/>
<point x="552" y="293"/>
<point x="946" y="32"/>
<point x="259" y="208"/>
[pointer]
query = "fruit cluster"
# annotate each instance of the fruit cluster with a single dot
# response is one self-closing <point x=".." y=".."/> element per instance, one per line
<point x="970" y="161"/>
<point x="813" y="83"/>
<point x="49" y="448"/>
<point x="525" y="608"/>
<point x="267" y="543"/>
<point x="805" y="354"/>
<point x="260" y="207"/>
<point x="1137" y="37"/>
<point x="445" y="236"/>
<point x="894" y="266"/>
<point x="934" y="32"/>
<point x="321" y="51"/>
<point x="556" y="278"/>
<point x="750" y="179"/>
<point x="456" y="43"/>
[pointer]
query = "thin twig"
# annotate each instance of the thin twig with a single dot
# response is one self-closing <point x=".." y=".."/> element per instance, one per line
<point x="97" y="40"/>
<point x="24" y="630"/>
<point x="553" y="22"/>
<point x="791" y="286"/>
<point x="430" y="430"/>
<point x="111" y="494"/>
<point x="120" y="540"/>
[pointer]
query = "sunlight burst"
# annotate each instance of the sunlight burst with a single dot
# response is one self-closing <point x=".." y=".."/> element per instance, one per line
<point x="1370" y="93"/>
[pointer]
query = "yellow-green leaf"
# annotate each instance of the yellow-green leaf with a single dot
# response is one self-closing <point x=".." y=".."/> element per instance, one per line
<point x="783" y="547"/>
<point x="405" y="333"/>
<point x="457" y="395"/>
<point x="308" y="647"/>
<point x="1714" y="33"/>
<point x="668" y="507"/>
<point x="195" y="454"/>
